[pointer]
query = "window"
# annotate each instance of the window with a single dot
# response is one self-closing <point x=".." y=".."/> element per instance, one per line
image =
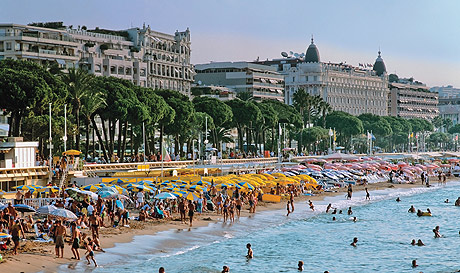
<point x="8" y="46"/>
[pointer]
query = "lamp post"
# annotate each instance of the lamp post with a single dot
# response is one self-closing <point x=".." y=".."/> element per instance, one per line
<point x="143" y="138"/>
<point x="51" y="149"/>
<point x="65" y="128"/>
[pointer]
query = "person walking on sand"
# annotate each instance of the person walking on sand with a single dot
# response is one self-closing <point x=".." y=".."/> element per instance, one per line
<point x="250" y="254"/>
<point x="15" y="233"/>
<point x="89" y="252"/>
<point x="191" y="211"/>
<point x="182" y="210"/>
<point x="291" y="198"/>
<point x="60" y="233"/>
<point x="368" y="196"/>
<point x="239" y="204"/>
<point x="75" y="241"/>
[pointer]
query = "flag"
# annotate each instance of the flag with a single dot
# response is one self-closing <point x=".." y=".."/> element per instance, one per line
<point x="456" y="138"/>
<point x="412" y="135"/>
<point x="369" y="136"/>
<point x="408" y="136"/>
<point x="335" y="137"/>
<point x="372" y="136"/>
<point x="279" y="128"/>
<point x="164" y="153"/>
<point x="330" y="132"/>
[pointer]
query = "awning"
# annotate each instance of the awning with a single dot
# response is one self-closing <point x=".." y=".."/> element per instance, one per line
<point x="4" y="150"/>
<point x="60" y="61"/>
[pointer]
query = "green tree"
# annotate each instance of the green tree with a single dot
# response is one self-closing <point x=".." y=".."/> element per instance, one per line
<point x="184" y="110"/>
<point x="77" y="82"/>
<point x="345" y="124"/>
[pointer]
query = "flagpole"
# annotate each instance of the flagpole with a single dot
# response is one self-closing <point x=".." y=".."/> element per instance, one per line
<point x="51" y="149"/>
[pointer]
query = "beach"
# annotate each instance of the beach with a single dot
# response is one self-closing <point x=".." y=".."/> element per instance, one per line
<point x="39" y="257"/>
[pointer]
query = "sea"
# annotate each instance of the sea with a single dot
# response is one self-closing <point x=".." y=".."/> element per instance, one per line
<point x="384" y="229"/>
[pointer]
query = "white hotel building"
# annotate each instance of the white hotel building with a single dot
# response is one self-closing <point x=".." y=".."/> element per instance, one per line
<point x="355" y="90"/>
<point x="141" y="55"/>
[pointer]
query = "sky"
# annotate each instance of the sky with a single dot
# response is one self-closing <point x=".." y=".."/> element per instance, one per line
<point x="418" y="38"/>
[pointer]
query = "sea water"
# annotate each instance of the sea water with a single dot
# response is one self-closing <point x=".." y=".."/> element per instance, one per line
<point x="384" y="230"/>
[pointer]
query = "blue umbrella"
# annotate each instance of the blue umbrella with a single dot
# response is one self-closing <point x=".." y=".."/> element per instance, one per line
<point x="165" y="195"/>
<point x="107" y="194"/>
<point x="24" y="208"/>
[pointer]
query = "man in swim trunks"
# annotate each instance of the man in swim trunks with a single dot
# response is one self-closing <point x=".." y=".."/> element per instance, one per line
<point x="182" y="210"/>
<point x="191" y="211"/>
<point x="75" y="241"/>
<point x="310" y="203"/>
<point x="350" y="212"/>
<point x="239" y="203"/>
<point x="15" y="232"/>
<point x="288" y="208"/>
<point x="328" y="208"/>
<point x="300" y="266"/>
<point x="60" y="233"/>
<point x="368" y="196"/>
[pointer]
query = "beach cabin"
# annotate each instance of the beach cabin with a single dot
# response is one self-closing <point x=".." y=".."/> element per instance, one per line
<point x="15" y="153"/>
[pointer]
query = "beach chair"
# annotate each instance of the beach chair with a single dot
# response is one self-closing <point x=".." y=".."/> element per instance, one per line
<point x="158" y="213"/>
<point x="41" y="237"/>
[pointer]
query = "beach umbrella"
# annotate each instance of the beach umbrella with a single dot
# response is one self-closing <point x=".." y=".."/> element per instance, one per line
<point x="195" y="188"/>
<point x="71" y="152"/>
<point x="4" y="235"/>
<point x="107" y="194"/>
<point x="246" y="185"/>
<point x="165" y="195"/>
<point x="31" y="188"/>
<point x="141" y="187"/>
<point x="49" y="189"/>
<point x="23" y="208"/>
<point x="119" y="189"/>
<point x="176" y="194"/>
<point x="63" y="213"/>
<point x="1" y="192"/>
<point x="90" y="187"/>
<point x="89" y="193"/>
<point x="45" y="209"/>
<point x="192" y="196"/>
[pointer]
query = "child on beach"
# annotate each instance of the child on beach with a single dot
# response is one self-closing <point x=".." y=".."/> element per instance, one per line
<point x="89" y="252"/>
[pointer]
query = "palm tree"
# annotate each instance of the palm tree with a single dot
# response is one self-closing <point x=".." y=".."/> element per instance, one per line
<point x="77" y="81"/>
<point x="301" y="101"/>
<point x="324" y="108"/>
<point x="90" y="105"/>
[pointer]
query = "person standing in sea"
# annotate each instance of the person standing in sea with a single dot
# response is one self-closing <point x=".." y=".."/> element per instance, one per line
<point x="288" y="208"/>
<point x="349" y="191"/>
<point x="368" y="196"/>
<point x="250" y="254"/>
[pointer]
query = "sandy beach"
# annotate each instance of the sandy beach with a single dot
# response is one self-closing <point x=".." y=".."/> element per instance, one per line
<point x="39" y="257"/>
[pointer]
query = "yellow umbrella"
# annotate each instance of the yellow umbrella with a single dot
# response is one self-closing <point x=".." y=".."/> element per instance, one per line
<point x="192" y="196"/>
<point x="90" y="187"/>
<point x="71" y="152"/>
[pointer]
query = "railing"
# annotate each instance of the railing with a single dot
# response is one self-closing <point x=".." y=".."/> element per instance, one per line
<point x="33" y="202"/>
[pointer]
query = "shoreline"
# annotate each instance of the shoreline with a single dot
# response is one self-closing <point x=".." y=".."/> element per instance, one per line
<point x="39" y="257"/>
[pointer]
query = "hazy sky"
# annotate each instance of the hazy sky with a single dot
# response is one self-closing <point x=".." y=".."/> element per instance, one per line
<point x="418" y="38"/>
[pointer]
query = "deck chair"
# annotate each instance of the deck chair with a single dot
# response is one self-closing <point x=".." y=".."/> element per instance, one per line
<point x="41" y="237"/>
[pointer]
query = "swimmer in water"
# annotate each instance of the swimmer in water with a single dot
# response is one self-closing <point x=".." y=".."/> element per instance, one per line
<point x="420" y="243"/>
<point x="411" y="209"/>
<point x="436" y="232"/>
<point x="340" y="211"/>
<point x="428" y="210"/>
<point x="414" y="263"/>
<point x="355" y="219"/>
<point x="350" y="212"/>
<point x="334" y="211"/>
<point x="333" y="219"/>
<point x="225" y="269"/>
<point x="447" y="201"/>
<point x="328" y="208"/>
<point x="398" y="200"/>
<point x="312" y="207"/>
<point x="300" y="266"/>
<point x="250" y="253"/>
<point x="355" y="241"/>
<point x="413" y="242"/>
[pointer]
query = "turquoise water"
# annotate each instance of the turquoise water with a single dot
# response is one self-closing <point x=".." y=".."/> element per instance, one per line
<point x="384" y="229"/>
